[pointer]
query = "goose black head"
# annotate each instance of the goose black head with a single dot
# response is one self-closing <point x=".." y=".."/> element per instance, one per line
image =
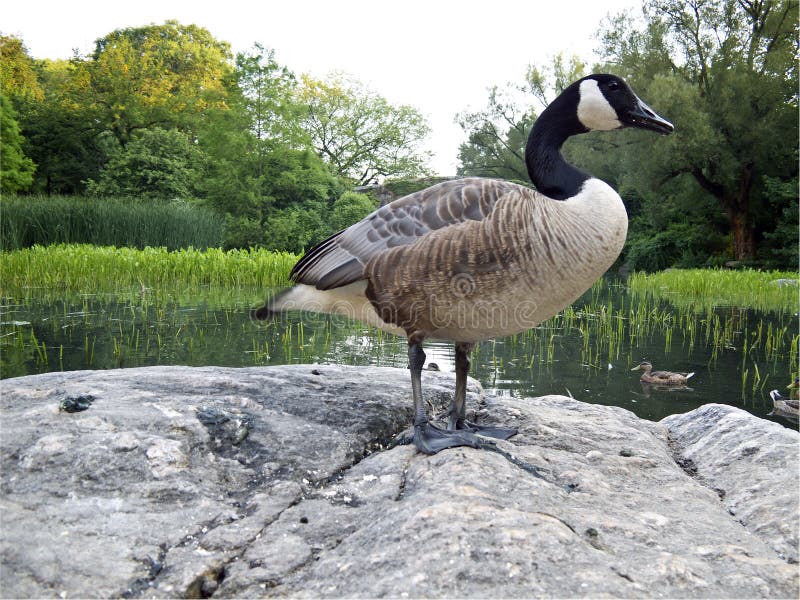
<point x="596" y="102"/>
<point x="608" y="102"/>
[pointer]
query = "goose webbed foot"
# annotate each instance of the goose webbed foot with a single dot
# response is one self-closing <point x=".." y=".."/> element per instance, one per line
<point x="492" y="431"/>
<point x="431" y="439"/>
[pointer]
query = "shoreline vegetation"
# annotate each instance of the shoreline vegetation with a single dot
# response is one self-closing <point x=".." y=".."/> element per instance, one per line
<point x="90" y="269"/>
<point x="703" y="289"/>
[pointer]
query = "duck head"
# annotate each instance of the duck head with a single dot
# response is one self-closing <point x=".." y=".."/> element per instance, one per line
<point x="643" y="366"/>
<point x="607" y="102"/>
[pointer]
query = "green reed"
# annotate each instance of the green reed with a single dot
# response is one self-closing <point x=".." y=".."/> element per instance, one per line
<point x="63" y="269"/>
<point x="44" y="220"/>
<point x="704" y="288"/>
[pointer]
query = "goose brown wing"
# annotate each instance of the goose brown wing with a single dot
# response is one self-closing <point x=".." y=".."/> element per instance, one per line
<point x="340" y="259"/>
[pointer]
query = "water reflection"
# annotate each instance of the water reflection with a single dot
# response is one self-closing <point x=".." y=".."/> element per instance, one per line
<point x="586" y="352"/>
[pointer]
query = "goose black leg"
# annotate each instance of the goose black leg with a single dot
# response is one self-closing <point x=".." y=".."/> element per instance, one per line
<point x="427" y="437"/>
<point x="458" y="410"/>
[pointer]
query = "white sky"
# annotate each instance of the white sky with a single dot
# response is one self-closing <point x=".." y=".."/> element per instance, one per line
<point x="439" y="56"/>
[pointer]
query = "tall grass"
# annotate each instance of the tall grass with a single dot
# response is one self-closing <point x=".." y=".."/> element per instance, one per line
<point x="708" y="288"/>
<point x="25" y="222"/>
<point x="92" y="269"/>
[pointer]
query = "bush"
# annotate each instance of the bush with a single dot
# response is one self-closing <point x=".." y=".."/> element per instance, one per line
<point x="780" y="248"/>
<point x="298" y="228"/>
<point x="350" y="208"/>
<point x="681" y="245"/>
<point x="157" y="163"/>
<point x="242" y="232"/>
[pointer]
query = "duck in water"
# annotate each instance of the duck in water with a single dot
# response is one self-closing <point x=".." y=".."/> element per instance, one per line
<point x="661" y="377"/>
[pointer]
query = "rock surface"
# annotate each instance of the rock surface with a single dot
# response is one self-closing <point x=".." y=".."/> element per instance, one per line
<point x="279" y="481"/>
<point x="727" y="448"/>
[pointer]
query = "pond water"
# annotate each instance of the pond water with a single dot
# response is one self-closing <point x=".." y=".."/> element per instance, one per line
<point x="587" y="351"/>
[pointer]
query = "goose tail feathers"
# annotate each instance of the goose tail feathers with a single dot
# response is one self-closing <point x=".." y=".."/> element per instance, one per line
<point x="270" y="309"/>
<point x="348" y="301"/>
<point x="299" y="297"/>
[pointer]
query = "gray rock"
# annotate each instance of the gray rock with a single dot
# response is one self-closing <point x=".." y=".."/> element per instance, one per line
<point x="177" y="481"/>
<point x="785" y="282"/>
<point x="751" y="463"/>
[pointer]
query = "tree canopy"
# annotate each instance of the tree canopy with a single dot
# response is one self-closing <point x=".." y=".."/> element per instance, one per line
<point x="16" y="169"/>
<point x="164" y="76"/>
<point x="359" y="133"/>
<point x="727" y="71"/>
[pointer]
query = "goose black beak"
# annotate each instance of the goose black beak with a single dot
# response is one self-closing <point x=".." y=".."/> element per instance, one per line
<point x="643" y="117"/>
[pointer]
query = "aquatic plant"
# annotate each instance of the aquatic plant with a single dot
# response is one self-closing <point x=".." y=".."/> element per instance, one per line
<point x="710" y="288"/>
<point x="46" y="220"/>
<point x="79" y="268"/>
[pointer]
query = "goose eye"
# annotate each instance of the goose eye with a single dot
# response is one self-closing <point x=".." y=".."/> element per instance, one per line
<point x="613" y="85"/>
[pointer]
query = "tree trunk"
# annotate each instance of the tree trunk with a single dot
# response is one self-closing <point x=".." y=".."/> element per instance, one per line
<point x="744" y="244"/>
<point x="735" y="202"/>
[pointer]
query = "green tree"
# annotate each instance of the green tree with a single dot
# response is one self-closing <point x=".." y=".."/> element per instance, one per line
<point x="546" y="82"/>
<point x="726" y="72"/>
<point x="267" y="94"/>
<point x="292" y="177"/>
<point x="166" y="75"/>
<point x="19" y="84"/>
<point x="780" y="249"/>
<point x="16" y="170"/>
<point x="260" y="169"/>
<point x="18" y="77"/>
<point x="497" y="135"/>
<point x="233" y="174"/>
<point x="350" y="208"/>
<point x="156" y="163"/>
<point x="359" y="133"/>
<point x="60" y="132"/>
<point x="259" y="120"/>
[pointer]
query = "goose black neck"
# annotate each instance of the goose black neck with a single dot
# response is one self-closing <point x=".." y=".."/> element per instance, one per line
<point x="552" y="175"/>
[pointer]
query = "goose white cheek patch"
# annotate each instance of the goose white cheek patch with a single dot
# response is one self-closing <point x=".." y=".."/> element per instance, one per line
<point x="594" y="111"/>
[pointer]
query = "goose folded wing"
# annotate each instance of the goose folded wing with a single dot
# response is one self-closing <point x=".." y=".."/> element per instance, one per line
<point x="340" y="259"/>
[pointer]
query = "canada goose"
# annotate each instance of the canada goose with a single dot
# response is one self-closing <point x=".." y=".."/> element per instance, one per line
<point x="787" y="405"/>
<point x="660" y="377"/>
<point x="473" y="259"/>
